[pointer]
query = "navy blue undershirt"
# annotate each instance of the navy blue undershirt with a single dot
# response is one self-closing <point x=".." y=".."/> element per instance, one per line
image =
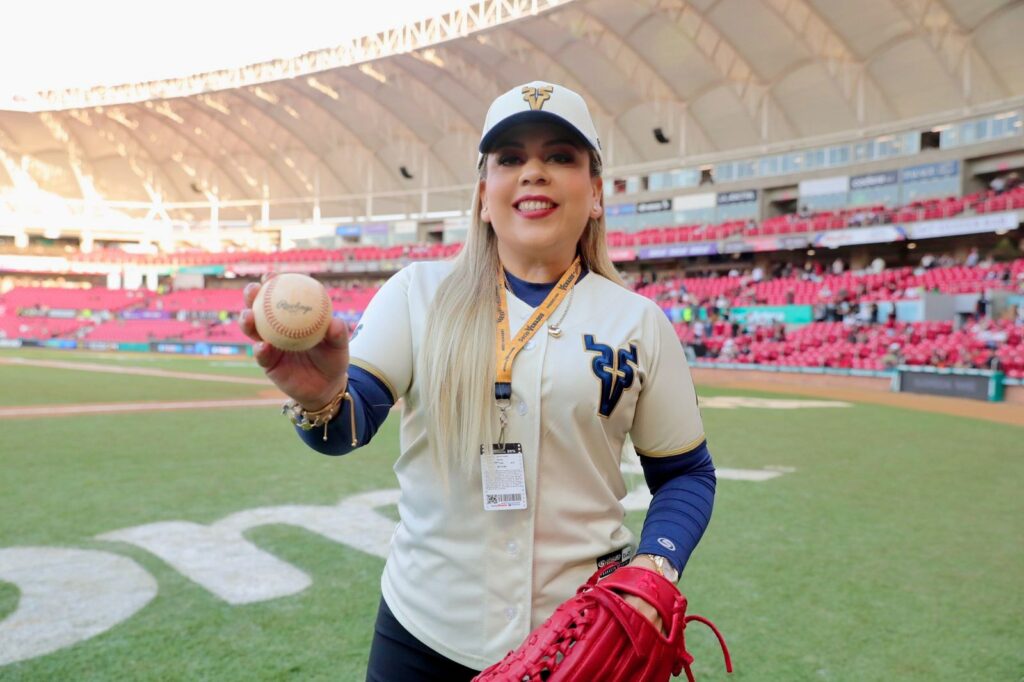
<point x="682" y="486"/>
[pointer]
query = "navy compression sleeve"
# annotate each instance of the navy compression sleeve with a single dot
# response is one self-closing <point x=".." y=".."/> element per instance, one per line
<point x="372" y="402"/>
<point x="683" y="487"/>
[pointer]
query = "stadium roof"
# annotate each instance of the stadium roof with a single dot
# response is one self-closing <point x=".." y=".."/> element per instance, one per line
<point x="398" y="113"/>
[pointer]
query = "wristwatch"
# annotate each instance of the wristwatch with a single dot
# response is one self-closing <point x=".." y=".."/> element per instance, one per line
<point x="664" y="566"/>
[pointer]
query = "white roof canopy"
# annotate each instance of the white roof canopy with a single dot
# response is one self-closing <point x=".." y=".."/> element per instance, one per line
<point x="714" y="75"/>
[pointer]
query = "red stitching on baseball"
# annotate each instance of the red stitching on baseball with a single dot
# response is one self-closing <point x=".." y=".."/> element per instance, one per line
<point x="275" y="324"/>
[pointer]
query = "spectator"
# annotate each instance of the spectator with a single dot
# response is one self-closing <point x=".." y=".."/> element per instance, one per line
<point x="728" y="351"/>
<point x="981" y="307"/>
<point x="893" y="356"/>
<point x="1013" y="180"/>
<point x="972" y="257"/>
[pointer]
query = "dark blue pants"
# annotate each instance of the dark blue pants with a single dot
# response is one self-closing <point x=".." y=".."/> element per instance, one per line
<point x="397" y="656"/>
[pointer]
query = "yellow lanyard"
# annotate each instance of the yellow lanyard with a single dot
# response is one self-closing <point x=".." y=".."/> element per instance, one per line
<point x="506" y="348"/>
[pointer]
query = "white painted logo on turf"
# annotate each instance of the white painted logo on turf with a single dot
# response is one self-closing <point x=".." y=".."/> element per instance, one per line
<point x="67" y="596"/>
<point x="70" y="595"/>
<point x="221" y="560"/>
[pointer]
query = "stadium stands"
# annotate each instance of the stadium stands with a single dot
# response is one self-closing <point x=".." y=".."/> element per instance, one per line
<point x="838" y="345"/>
<point x="792" y="223"/>
<point x="207" y="315"/>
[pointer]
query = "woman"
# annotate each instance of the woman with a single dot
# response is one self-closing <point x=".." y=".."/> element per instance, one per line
<point x="524" y="364"/>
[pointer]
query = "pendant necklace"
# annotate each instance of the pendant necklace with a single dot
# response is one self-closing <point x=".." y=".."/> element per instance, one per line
<point x="555" y="328"/>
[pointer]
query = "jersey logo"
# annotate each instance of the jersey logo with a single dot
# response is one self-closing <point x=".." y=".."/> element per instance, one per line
<point x="615" y="369"/>
<point x="536" y="97"/>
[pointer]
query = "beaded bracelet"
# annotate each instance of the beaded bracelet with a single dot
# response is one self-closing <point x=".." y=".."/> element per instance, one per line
<point x="310" y="419"/>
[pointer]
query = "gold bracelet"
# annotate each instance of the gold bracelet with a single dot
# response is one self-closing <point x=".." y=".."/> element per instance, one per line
<point x="310" y="419"/>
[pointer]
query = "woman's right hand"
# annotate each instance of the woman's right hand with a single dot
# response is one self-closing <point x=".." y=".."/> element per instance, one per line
<point x="311" y="378"/>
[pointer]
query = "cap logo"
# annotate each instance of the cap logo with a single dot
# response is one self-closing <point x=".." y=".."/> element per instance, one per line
<point x="536" y="97"/>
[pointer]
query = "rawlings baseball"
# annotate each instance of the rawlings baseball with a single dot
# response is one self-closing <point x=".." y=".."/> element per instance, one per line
<point x="292" y="312"/>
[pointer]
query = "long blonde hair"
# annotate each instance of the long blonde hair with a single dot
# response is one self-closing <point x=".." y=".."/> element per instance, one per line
<point x="457" y="354"/>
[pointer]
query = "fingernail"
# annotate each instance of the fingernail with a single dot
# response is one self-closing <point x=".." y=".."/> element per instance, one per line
<point x="258" y="348"/>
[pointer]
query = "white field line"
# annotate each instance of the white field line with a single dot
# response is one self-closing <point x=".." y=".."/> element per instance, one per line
<point x="138" y="371"/>
<point x="113" y="408"/>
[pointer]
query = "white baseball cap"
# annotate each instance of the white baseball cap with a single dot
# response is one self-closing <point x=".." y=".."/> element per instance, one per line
<point x="535" y="102"/>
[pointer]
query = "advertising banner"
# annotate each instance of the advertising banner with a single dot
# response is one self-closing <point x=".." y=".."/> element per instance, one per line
<point x="60" y="343"/>
<point x="873" y="180"/>
<point x="304" y="268"/>
<point x="824" y="186"/>
<point x="767" y="314"/>
<point x="654" y="206"/>
<point x="108" y="345"/>
<point x="245" y="269"/>
<point x="977" y="384"/>
<point x="172" y="347"/>
<point x="736" y="247"/>
<point x="989" y="222"/>
<point x="930" y="171"/>
<point x="619" y="209"/>
<point x="222" y="349"/>
<point x="146" y="315"/>
<point x="694" y="201"/>
<point x="740" y="197"/>
<point x="33" y="264"/>
<point x="706" y="249"/>
<point x="202" y="270"/>
<point x="620" y="255"/>
<point x="866" y="235"/>
<point x="62" y="313"/>
<point x="793" y="242"/>
<point x="10" y="343"/>
<point x="761" y="244"/>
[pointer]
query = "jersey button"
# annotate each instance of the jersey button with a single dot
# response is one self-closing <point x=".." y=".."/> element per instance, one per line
<point x="522" y="408"/>
<point x="510" y="613"/>
<point x="512" y="548"/>
<point x="530" y="344"/>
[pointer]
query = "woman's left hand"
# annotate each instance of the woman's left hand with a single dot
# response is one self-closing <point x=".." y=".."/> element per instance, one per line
<point x="641" y="605"/>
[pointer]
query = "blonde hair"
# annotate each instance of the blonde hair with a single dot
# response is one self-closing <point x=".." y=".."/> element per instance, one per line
<point x="457" y="355"/>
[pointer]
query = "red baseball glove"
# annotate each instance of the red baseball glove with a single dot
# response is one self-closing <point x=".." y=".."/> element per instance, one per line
<point x="596" y="635"/>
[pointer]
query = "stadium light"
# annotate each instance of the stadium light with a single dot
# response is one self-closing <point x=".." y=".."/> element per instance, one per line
<point x="322" y="87"/>
<point x="373" y="73"/>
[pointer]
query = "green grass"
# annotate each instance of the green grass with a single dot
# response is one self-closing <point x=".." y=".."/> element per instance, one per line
<point x="893" y="551"/>
<point x="226" y="365"/>
<point x="26" y="385"/>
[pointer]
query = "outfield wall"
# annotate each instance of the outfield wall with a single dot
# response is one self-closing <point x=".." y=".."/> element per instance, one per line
<point x="813" y="383"/>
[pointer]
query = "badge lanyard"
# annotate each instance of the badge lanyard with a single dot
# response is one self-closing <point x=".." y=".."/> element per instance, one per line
<point x="506" y="347"/>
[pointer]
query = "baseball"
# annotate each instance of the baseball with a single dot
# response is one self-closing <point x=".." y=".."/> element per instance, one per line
<point x="292" y="312"/>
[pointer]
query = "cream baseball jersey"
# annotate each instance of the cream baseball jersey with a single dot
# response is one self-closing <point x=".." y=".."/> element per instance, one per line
<point x="470" y="583"/>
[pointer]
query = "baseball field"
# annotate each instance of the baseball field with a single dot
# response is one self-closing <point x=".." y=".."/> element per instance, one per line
<point x="160" y="521"/>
